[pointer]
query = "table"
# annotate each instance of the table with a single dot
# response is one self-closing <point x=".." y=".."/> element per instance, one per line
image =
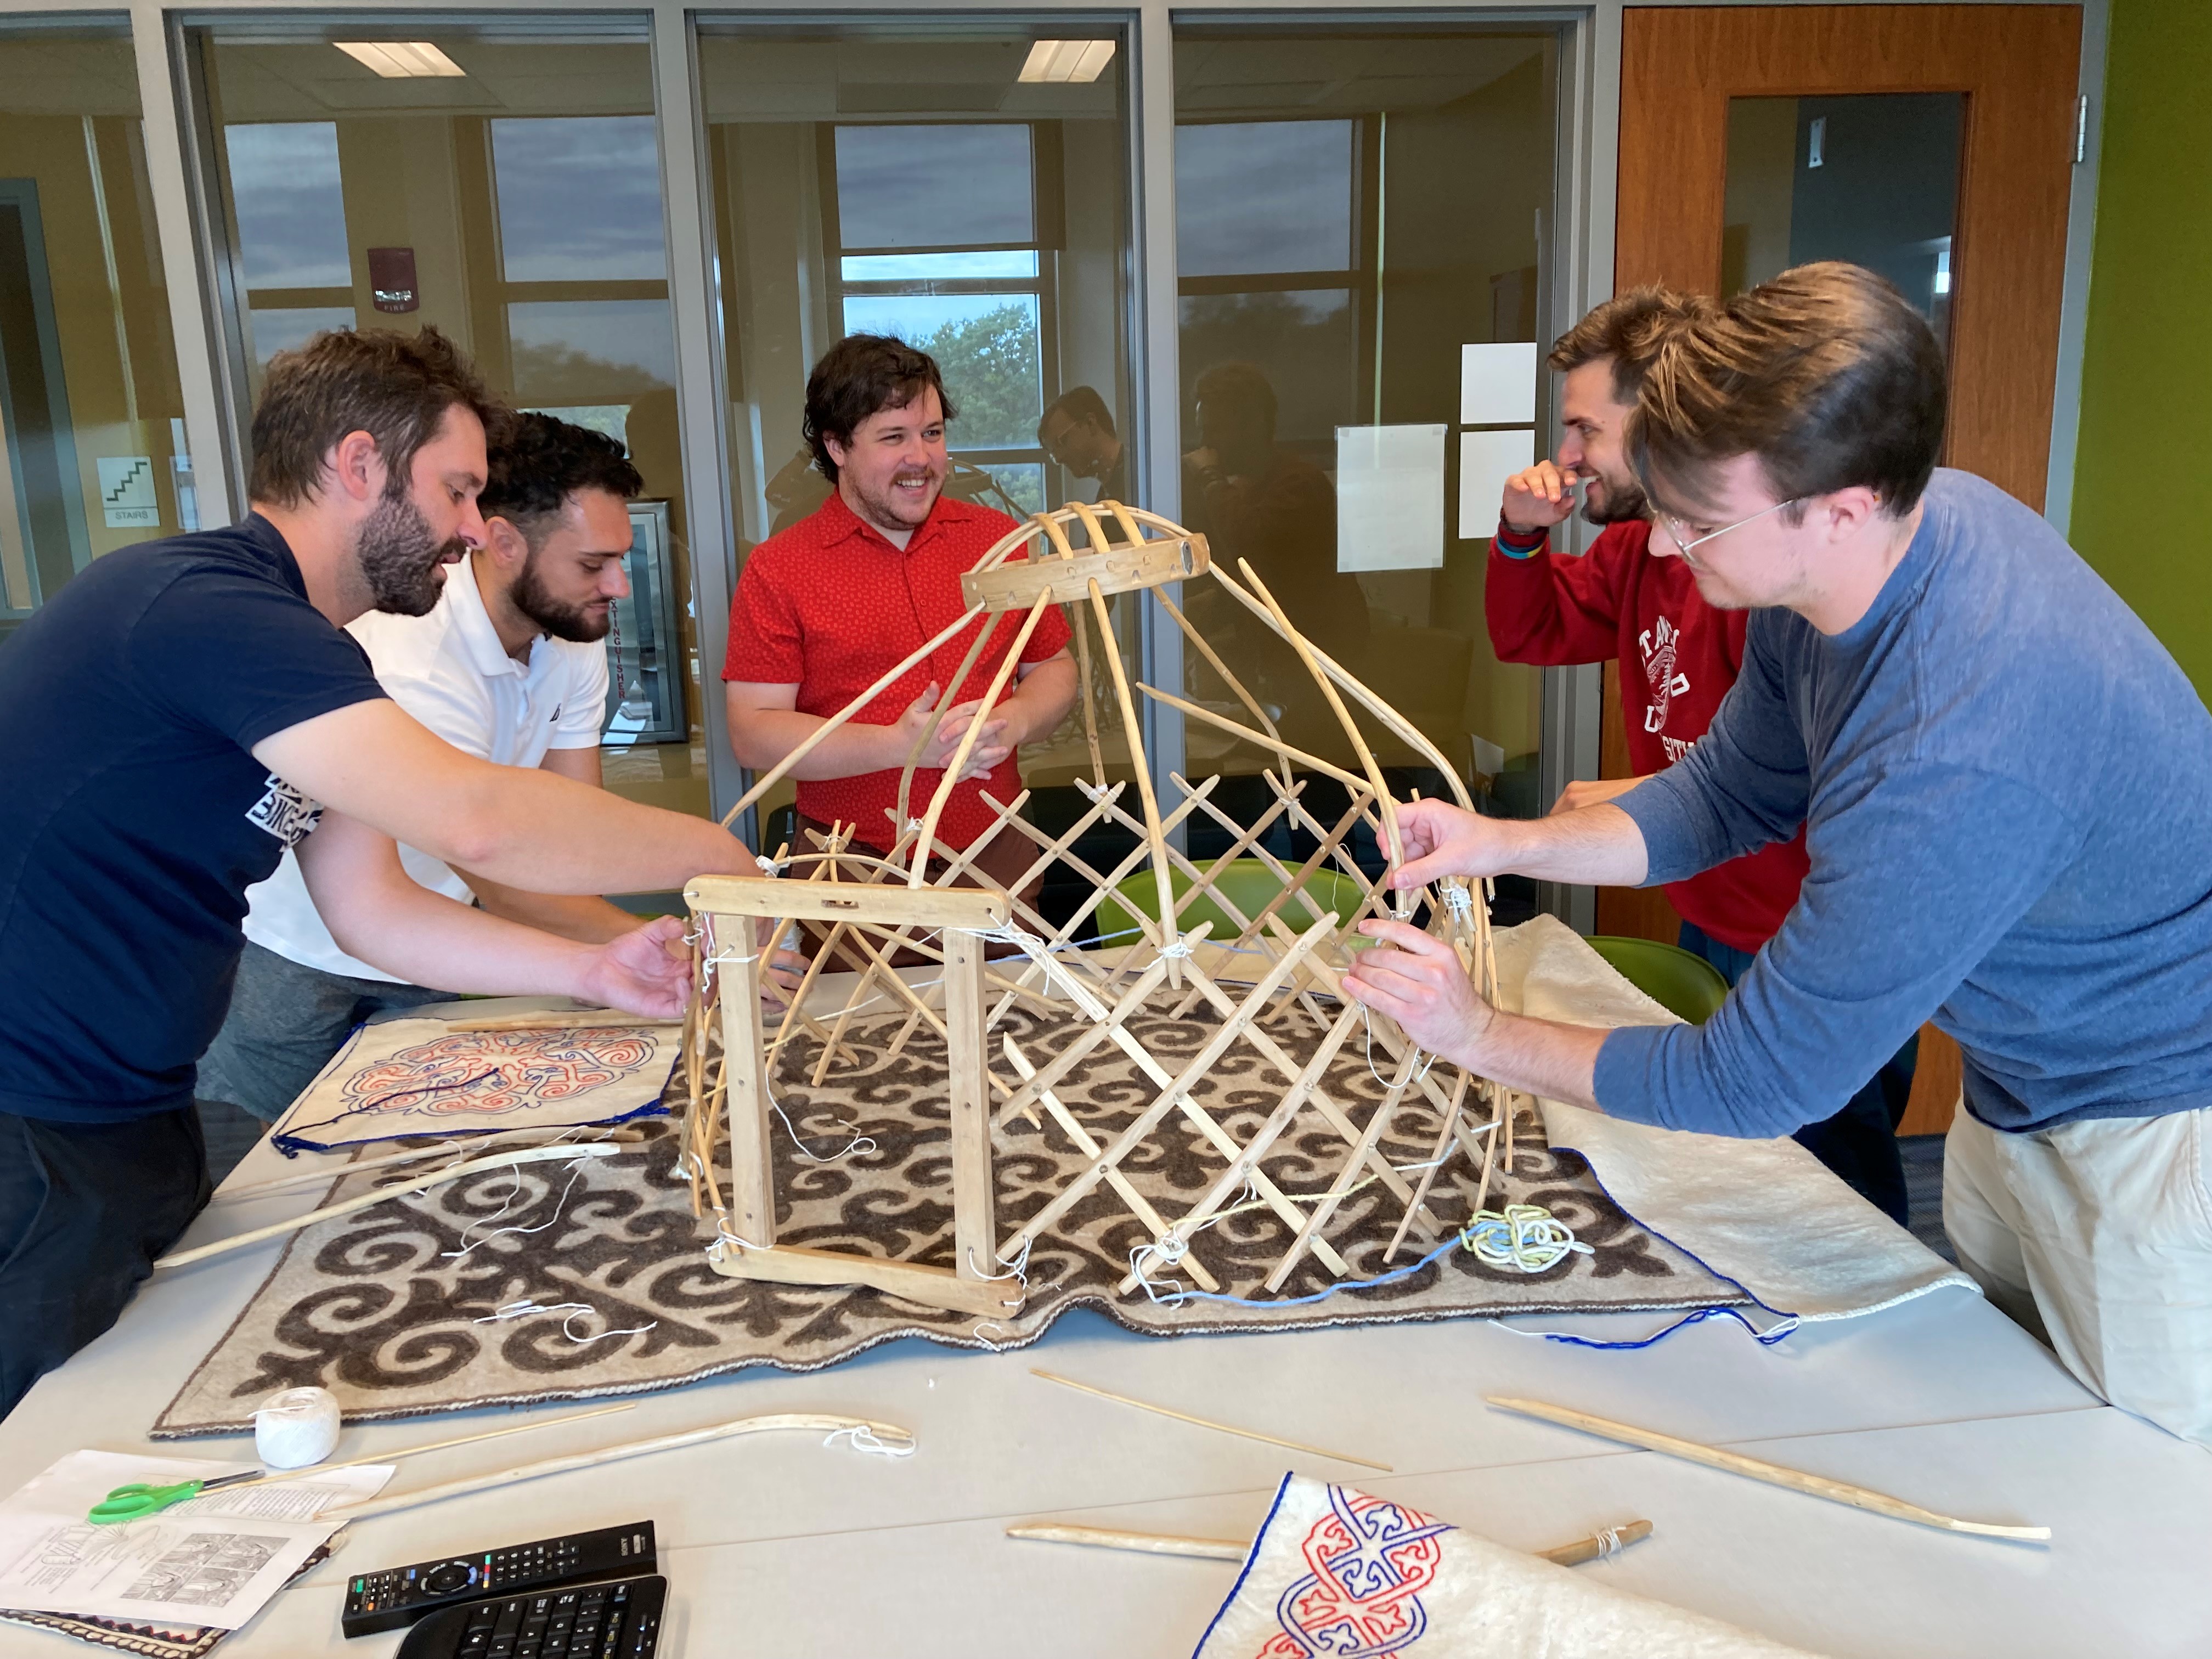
<point x="778" y="1545"/>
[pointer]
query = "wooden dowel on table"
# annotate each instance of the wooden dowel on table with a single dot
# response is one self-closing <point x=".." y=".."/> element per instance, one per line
<point x="555" y="1019"/>
<point x="467" y="1146"/>
<point x="1207" y="1423"/>
<point x="313" y="1469"/>
<point x="897" y="1440"/>
<point x="398" y="1189"/>
<point x="1613" y="1539"/>
<point x="1772" y="1474"/>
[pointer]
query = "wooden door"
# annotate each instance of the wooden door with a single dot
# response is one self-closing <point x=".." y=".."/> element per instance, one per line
<point x="2018" y="68"/>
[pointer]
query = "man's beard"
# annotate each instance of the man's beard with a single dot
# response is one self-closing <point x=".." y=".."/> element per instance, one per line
<point x="884" y="506"/>
<point x="1622" y="506"/>
<point x="399" y="560"/>
<point x="579" y="624"/>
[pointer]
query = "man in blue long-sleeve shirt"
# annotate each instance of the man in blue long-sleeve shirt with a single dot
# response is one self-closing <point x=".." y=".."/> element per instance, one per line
<point x="2006" y="784"/>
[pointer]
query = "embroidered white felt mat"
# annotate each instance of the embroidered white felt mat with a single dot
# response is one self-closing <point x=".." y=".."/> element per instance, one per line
<point x="1338" y="1574"/>
<point x="1765" y="1213"/>
<point x="416" y="1076"/>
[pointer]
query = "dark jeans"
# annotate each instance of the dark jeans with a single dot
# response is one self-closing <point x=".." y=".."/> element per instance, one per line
<point x="285" y="1023"/>
<point x="84" y="1211"/>
<point x="1860" y="1142"/>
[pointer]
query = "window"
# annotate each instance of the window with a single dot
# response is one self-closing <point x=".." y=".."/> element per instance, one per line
<point x="964" y="279"/>
<point x="906" y="178"/>
<point x="92" y="454"/>
<point x="517" y="206"/>
<point x="1359" y="212"/>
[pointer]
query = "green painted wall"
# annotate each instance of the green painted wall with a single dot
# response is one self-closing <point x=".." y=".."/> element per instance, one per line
<point x="2144" y="472"/>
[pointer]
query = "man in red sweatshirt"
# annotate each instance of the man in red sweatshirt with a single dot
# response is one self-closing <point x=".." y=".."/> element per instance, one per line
<point x="1678" y="658"/>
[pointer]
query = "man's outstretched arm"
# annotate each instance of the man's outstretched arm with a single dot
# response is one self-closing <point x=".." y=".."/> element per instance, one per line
<point x="378" y="912"/>
<point x="521" y="826"/>
<point x="1597" y="845"/>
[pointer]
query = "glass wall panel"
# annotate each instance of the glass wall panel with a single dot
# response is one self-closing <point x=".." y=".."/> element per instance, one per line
<point x="1356" y="207"/>
<point x="89" y="411"/>
<point x="514" y="200"/>
<point x="910" y="180"/>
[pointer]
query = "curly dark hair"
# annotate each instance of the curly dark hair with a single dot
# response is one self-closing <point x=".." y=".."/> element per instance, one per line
<point x="860" y="376"/>
<point x="538" y="462"/>
<point x="395" y="387"/>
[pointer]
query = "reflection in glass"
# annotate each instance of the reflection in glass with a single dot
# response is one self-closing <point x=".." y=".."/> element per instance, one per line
<point x="573" y="351"/>
<point x="1354" y="204"/>
<point x="904" y="181"/>
<point x="1263" y="196"/>
<point x="91" y="442"/>
<point x="277" y="329"/>
<point x="934" y="186"/>
<point x="1883" y="192"/>
<point x="578" y="200"/>
<point x="525" y="191"/>
<point x="290" y="205"/>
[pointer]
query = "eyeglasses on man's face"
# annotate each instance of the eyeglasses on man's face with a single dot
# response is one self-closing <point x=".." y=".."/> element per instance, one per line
<point x="1686" y="537"/>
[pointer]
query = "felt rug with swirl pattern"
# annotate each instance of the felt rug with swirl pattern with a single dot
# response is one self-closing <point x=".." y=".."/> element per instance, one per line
<point x="386" y="1307"/>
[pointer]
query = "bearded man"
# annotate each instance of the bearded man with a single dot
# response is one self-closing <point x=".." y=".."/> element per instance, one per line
<point x="509" y="665"/>
<point x="1678" y="656"/>
<point x="178" y="716"/>
<point x="822" y="609"/>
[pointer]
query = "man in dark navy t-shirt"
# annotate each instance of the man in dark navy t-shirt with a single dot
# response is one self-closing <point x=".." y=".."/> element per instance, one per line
<point x="175" y="718"/>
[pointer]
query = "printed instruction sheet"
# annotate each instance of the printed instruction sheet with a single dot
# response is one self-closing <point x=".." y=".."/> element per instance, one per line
<point x="213" y="1561"/>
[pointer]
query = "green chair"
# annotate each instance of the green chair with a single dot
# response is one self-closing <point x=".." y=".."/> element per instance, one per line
<point x="1679" y="981"/>
<point x="1248" y="883"/>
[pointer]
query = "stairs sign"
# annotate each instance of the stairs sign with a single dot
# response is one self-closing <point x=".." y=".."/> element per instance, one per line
<point x="126" y="492"/>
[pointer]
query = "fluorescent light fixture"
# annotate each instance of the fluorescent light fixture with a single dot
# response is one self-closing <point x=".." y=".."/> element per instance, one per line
<point x="1067" y="60"/>
<point x="400" y="60"/>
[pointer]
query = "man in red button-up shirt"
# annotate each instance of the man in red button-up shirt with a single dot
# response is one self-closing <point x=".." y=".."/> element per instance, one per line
<point x="827" y="607"/>
<point x="1678" y="656"/>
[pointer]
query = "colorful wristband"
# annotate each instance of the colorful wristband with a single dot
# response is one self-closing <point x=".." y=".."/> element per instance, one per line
<point x="1519" y="544"/>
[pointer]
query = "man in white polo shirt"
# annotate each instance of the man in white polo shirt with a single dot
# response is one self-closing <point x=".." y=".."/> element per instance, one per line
<point x="510" y="665"/>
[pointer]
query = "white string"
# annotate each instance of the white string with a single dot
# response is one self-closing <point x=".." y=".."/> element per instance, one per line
<point x="768" y="865"/>
<point x="1458" y="901"/>
<point x="1017" y="1266"/>
<point x="859" y="1142"/>
<point x="1609" y="1542"/>
<point x="1367" y="1020"/>
<point x="513" y="1192"/>
<point x="863" y="1439"/>
<point x="1172" y="1246"/>
<point x="1041" y="953"/>
<point x="573" y="1310"/>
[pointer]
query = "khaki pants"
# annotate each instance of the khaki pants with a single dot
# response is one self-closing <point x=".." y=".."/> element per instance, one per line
<point x="2097" y="1237"/>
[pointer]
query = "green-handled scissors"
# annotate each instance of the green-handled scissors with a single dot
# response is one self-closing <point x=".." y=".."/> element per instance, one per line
<point x="138" y="1498"/>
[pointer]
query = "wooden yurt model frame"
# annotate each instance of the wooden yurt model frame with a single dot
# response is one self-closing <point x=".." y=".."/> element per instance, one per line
<point x="872" y="908"/>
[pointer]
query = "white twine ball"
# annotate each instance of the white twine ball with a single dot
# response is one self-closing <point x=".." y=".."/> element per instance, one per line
<point x="296" y="1427"/>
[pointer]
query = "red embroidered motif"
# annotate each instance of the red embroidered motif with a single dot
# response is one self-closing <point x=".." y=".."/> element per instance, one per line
<point x="1368" y="1562"/>
<point x="496" y="1070"/>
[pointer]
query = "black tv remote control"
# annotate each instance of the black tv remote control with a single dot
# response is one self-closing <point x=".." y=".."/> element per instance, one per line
<point x="399" y="1596"/>
<point x="618" y="1619"/>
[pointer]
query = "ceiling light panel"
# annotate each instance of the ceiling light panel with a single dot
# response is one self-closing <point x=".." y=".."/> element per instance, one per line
<point x="400" y="60"/>
<point x="1067" y="60"/>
